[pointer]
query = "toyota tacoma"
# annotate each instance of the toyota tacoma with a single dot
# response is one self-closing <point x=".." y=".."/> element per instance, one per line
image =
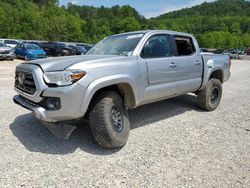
<point x="119" y="73"/>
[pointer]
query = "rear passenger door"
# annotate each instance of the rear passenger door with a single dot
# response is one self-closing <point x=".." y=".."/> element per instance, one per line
<point x="189" y="65"/>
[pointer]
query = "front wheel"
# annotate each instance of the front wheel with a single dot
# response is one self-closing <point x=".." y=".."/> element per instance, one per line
<point x="26" y="58"/>
<point x="109" y="121"/>
<point x="209" y="98"/>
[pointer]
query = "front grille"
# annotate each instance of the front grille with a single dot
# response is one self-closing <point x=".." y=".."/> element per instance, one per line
<point x="5" y="52"/>
<point x="25" y="82"/>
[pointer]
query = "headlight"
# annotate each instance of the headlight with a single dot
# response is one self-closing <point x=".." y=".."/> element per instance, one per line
<point x="63" y="78"/>
<point x="65" y="51"/>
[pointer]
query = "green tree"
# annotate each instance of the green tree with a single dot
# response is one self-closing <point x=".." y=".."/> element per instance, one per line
<point x="125" y="25"/>
<point x="235" y="28"/>
<point x="219" y="24"/>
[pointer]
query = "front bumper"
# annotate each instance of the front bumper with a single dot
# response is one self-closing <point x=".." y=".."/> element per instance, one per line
<point x="39" y="112"/>
<point x="61" y="129"/>
<point x="7" y="56"/>
<point x="34" y="57"/>
<point x="70" y="102"/>
<point x="71" y="98"/>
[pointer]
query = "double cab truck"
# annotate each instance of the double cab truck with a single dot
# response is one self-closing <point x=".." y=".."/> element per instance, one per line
<point x="119" y="73"/>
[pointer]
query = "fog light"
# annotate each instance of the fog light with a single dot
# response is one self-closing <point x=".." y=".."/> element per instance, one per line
<point x="53" y="103"/>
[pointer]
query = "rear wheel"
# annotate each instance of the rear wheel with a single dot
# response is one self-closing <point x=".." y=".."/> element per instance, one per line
<point x="209" y="98"/>
<point x="109" y="121"/>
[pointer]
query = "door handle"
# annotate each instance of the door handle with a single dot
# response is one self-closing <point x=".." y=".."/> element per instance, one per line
<point x="197" y="62"/>
<point x="172" y="65"/>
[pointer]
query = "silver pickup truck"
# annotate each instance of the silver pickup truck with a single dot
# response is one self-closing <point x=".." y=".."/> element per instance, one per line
<point x="119" y="73"/>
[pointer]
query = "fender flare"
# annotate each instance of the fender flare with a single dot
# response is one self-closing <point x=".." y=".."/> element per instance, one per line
<point x="211" y="67"/>
<point x="105" y="82"/>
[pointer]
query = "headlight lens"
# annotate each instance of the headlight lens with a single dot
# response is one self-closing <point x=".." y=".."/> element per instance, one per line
<point x="65" y="51"/>
<point x="63" y="78"/>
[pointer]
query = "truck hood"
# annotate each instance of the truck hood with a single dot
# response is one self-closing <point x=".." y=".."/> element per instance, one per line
<point x="61" y="63"/>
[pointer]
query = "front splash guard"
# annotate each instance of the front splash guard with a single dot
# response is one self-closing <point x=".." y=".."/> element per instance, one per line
<point x="61" y="129"/>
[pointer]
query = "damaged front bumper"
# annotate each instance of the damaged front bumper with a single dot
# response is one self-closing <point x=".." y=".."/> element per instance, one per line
<point x="59" y="129"/>
<point x="55" y="107"/>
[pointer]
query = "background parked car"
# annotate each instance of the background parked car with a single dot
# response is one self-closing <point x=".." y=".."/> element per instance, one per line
<point x="57" y="49"/>
<point x="232" y="54"/>
<point x="218" y="51"/>
<point x="247" y="51"/>
<point x="203" y="50"/>
<point x="29" y="51"/>
<point x="31" y="42"/>
<point x="6" y="52"/>
<point x="240" y="51"/>
<point x="79" y="50"/>
<point x="10" y="43"/>
<point x="86" y="46"/>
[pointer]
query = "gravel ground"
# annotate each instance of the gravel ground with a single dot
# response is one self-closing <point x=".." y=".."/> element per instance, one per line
<point x="172" y="144"/>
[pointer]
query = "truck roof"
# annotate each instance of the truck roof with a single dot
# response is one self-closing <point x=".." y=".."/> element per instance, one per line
<point x="155" y="31"/>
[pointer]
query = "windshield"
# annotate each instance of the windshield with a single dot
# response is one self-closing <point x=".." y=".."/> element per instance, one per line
<point x="2" y="45"/>
<point x="10" y="42"/>
<point x="32" y="47"/>
<point x="116" y="45"/>
<point x="62" y="45"/>
<point x="80" y="49"/>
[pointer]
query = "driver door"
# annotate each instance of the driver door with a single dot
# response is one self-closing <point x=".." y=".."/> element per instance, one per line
<point x="162" y="72"/>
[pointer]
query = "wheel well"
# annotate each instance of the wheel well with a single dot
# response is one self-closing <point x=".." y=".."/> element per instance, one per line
<point x="124" y="90"/>
<point x="218" y="74"/>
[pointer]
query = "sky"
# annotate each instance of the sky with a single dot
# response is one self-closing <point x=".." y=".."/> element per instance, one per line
<point x="147" y="8"/>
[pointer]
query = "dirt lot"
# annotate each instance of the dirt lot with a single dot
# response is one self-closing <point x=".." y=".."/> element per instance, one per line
<point x="172" y="144"/>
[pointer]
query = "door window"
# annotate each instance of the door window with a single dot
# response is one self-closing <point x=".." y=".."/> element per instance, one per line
<point x="157" y="46"/>
<point x="184" y="46"/>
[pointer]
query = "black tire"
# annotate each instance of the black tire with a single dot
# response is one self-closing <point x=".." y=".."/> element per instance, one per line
<point x="109" y="131"/>
<point x="209" y="98"/>
<point x="26" y="58"/>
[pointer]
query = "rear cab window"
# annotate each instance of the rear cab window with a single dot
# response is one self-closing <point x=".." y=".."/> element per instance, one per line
<point x="184" y="46"/>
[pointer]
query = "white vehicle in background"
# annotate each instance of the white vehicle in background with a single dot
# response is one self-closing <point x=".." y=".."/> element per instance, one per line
<point x="6" y="52"/>
<point x="232" y="54"/>
<point x="10" y="42"/>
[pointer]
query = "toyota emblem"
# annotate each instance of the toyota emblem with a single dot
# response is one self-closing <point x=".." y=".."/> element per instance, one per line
<point x="21" y="78"/>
